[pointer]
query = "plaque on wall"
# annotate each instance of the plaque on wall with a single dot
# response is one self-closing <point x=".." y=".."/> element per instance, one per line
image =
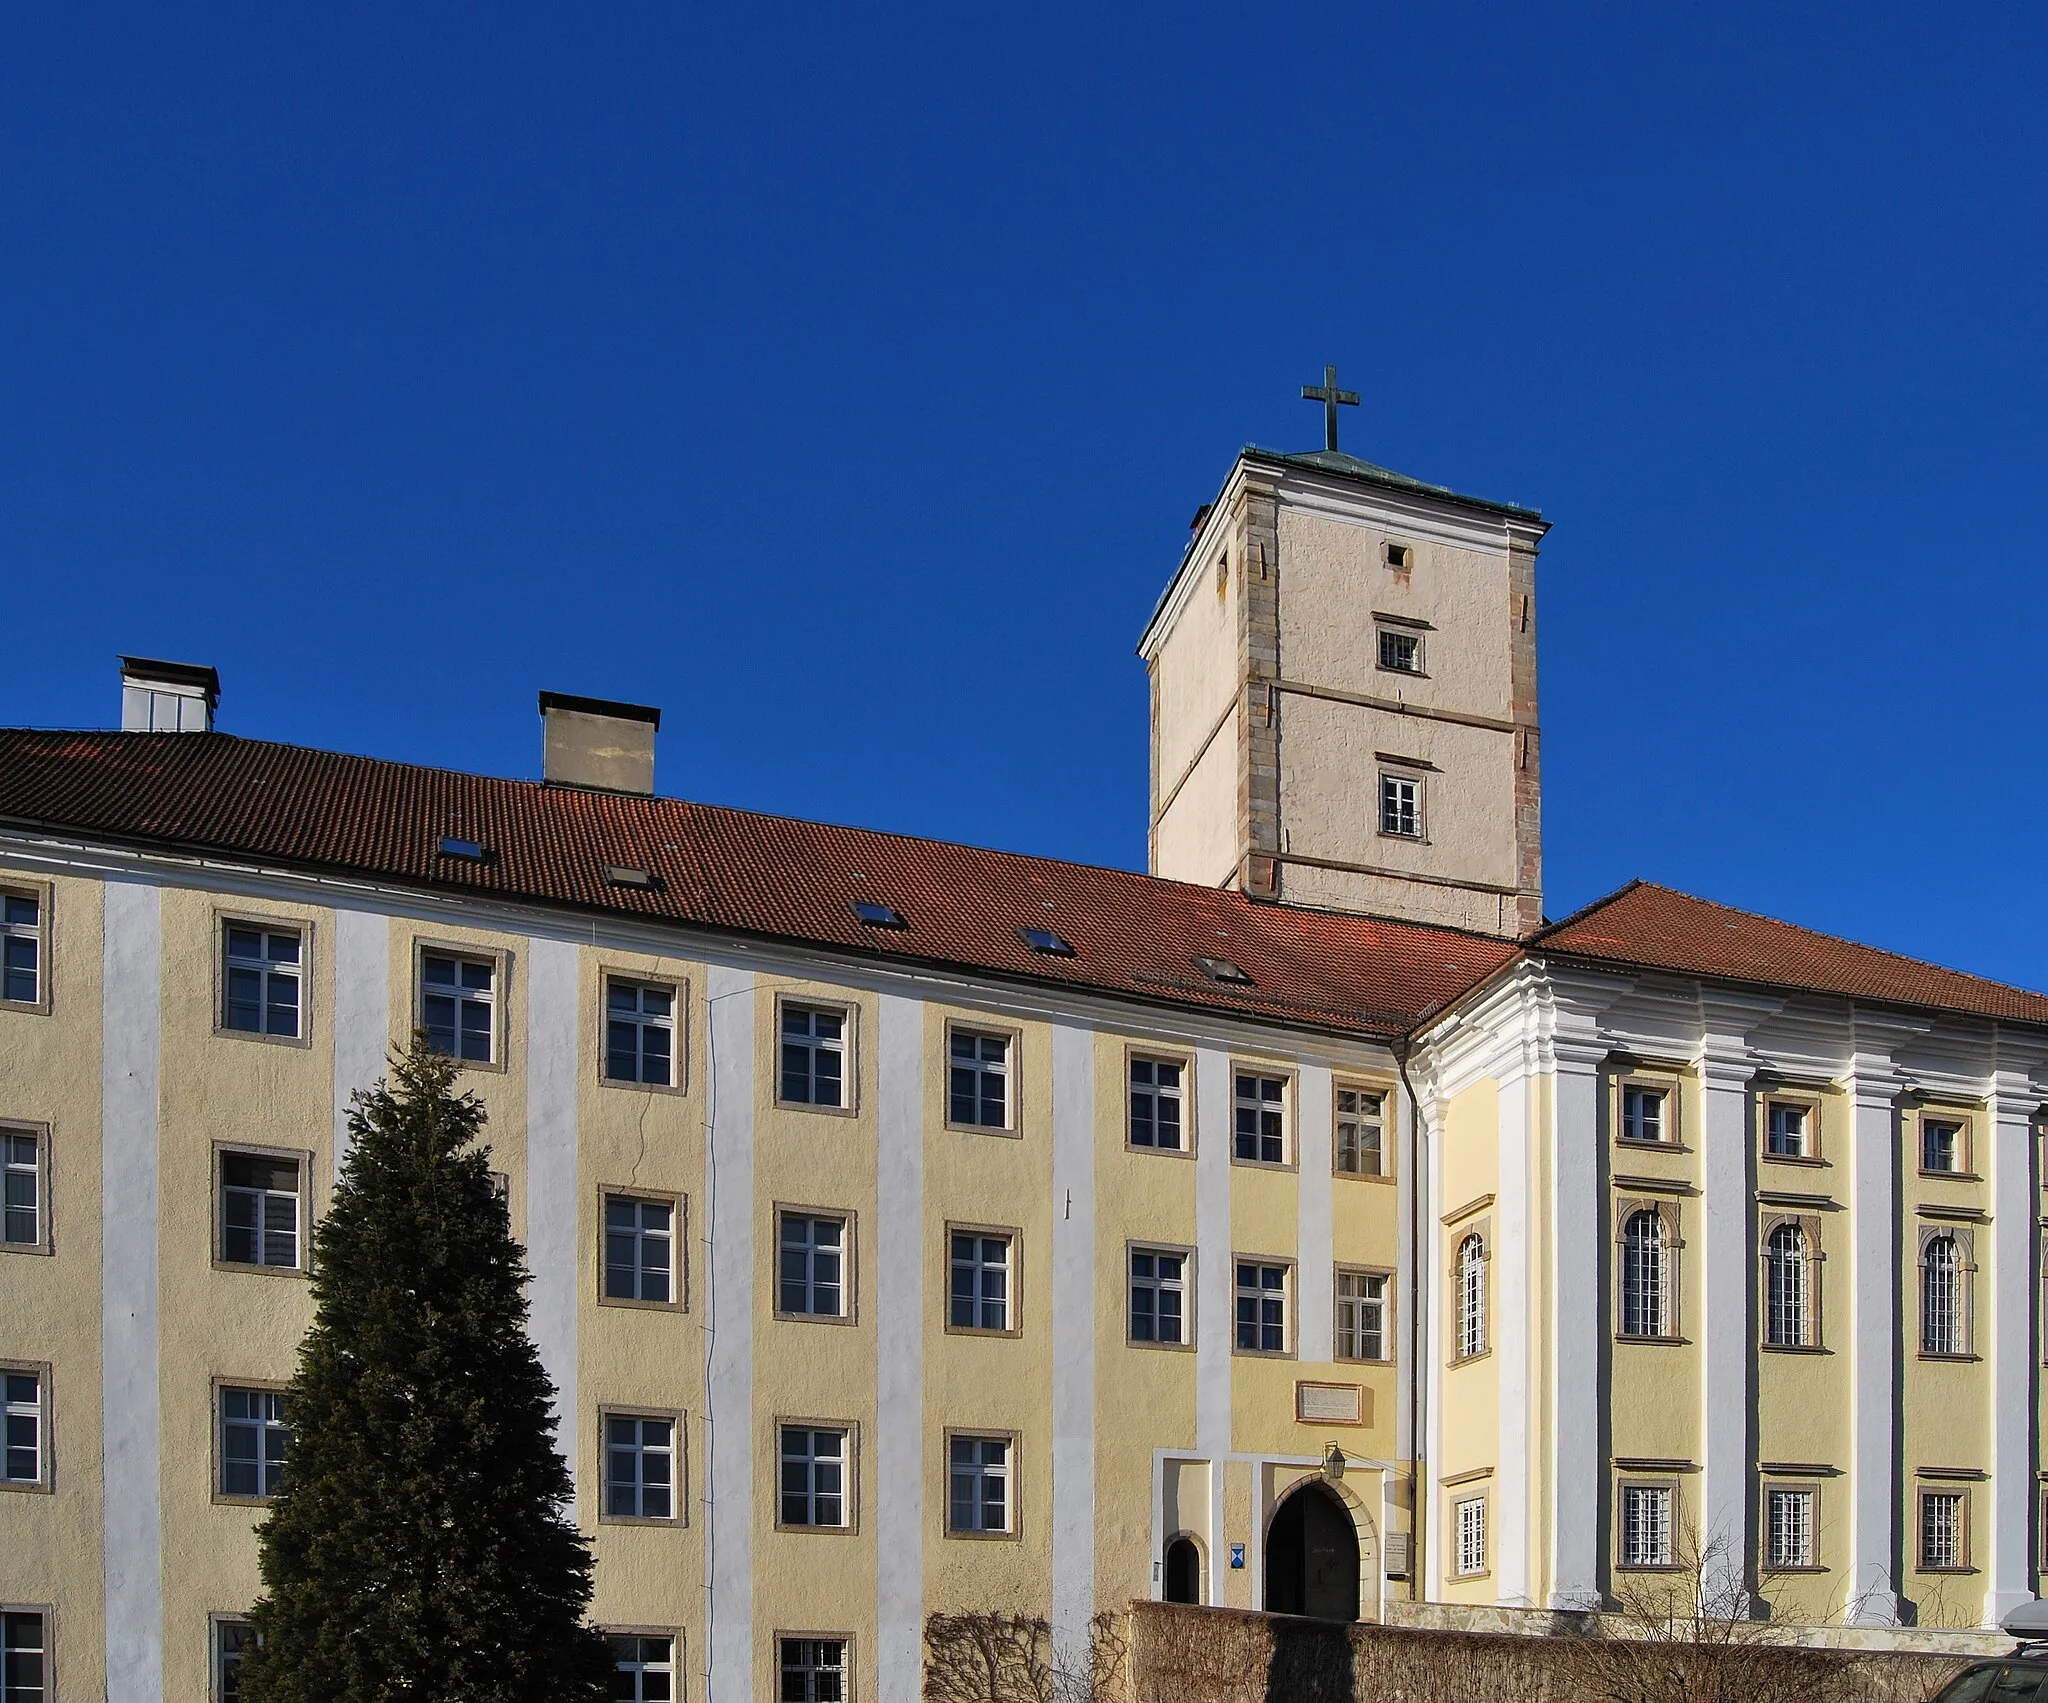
<point x="1329" y="1404"/>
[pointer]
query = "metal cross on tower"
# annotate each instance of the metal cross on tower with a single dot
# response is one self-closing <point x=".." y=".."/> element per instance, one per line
<point x="1329" y="396"/>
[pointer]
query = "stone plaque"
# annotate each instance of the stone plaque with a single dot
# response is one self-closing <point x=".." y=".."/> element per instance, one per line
<point x="1329" y="1404"/>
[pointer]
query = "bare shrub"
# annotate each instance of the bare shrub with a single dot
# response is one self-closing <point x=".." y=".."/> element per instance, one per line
<point x="990" y="1657"/>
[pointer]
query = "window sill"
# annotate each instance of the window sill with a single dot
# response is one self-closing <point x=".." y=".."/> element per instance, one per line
<point x="986" y="1129"/>
<point x="222" y="1032"/>
<point x="221" y="1499"/>
<point x="1793" y="1348"/>
<point x="639" y="1306"/>
<point x="1366" y="1176"/>
<point x="27" y="1007"/>
<point x="1010" y="1334"/>
<point x="816" y="1319"/>
<point x="625" y="1085"/>
<point x="1262" y="1353"/>
<point x="981" y="1537"/>
<point x="822" y="1111"/>
<point x="1637" y="1144"/>
<point x="1470" y="1578"/>
<point x="1408" y="840"/>
<point x="1169" y="1347"/>
<point x="1951" y="1572"/>
<point x="1783" y="1567"/>
<point x="1793" y="1159"/>
<point x="1671" y="1341"/>
<point x="1952" y="1359"/>
<point x="1400" y="673"/>
<point x="1354" y="1360"/>
<point x="1950" y="1176"/>
<point x="675" y="1522"/>
<point x="26" y="1248"/>
<point x="1649" y="1567"/>
<point x="1265" y="1164"/>
<point x="29" y="1486"/>
<point x="1152" y="1152"/>
<point x="250" y="1270"/>
<point x="820" y="1531"/>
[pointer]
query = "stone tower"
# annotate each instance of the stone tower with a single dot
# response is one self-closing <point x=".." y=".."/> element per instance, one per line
<point x="1344" y="697"/>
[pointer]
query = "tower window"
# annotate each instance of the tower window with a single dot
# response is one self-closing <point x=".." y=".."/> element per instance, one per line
<point x="1401" y="806"/>
<point x="1400" y="557"/>
<point x="1400" y="653"/>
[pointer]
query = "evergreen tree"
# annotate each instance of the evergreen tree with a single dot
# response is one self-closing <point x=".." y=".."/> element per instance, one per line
<point x="420" y="1546"/>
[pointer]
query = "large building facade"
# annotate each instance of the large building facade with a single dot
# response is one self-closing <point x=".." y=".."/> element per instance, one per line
<point x="916" y="1228"/>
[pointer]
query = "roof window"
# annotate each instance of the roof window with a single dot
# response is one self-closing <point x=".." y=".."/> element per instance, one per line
<point x="1223" y="970"/>
<point x="878" y="916"/>
<point x="471" y="850"/>
<point x="1044" y="940"/>
<point x="625" y="875"/>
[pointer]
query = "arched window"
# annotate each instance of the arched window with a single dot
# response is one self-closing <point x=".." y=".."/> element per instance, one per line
<point x="1941" y="1297"/>
<point x="1645" y="1276"/>
<point x="1471" y="1296"/>
<point x="1788" y="1308"/>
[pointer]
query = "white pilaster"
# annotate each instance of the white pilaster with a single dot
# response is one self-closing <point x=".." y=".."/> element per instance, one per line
<point x="899" y="1344"/>
<point x="1212" y="1293"/>
<point x="1514" y="1323"/>
<point x="131" y="1530"/>
<point x="729" y="1383"/>
<point x="1578" y="1309"/>
<point x="553" y="1196"/>
<point x="1073" y="1344"/>
<point x="1874" y="1334"/>
<point x="362" y="1012"/>
<point x="1315" y="1278"/>
<point x="2010" y="1346"/>
<point x="1727" y="1246"/>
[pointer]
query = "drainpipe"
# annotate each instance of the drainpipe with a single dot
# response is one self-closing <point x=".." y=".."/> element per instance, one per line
<point x="1418" y="1198"/>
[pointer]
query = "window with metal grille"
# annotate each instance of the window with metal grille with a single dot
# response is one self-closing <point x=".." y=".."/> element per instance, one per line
<point x="458" y="1006"/>
<point x="1645" y="1525"/>
<point x="1471" y="1296"/>
<point x="813" y="1490"/>
<point x="810" y="1277"/>
<point x="1471" y="1522"/>
<point x="980" y="1286"/>
<point x="639" y="1467"/>
<point x="639" y="1249"/>
<point x="814" y="1055"/>
<point x="980" y="1474"/>
<point x="1645" y="1276"/>
<point x="813" y="1670"/>
<point x="259" y="1210"/>
<point x="1156" y="1103"/>
<point x="1642" y="1114"/>
<point x="1400" y="653"/>
<point x="1361" y="1316"/>
<point x="979" y="1079"/>
<point x="1158" y="1295"/>
<point x="1401" y="806"/>
<point x="1788" y="1304"/>
<point x="1941" y="1297"/>
<point x="1941" y="1530"/>
<point x="1261" y="1118"/>
<point x="23" y="1427"/>
<point x="646" y="1669"/>
<point x="640" y="1033"/>
<point x="21" y="1189"/>
<point x="21" y="948"/>
<point x="255" y="1437"/>
<point x="260" y="980"/>
<point x="1789" y="1528"/>
<point x="1361" y="1138"/>
<point x="1261" y="1307"/>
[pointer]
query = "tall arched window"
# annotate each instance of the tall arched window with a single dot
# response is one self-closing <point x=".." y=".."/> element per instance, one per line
<point x="1645" y="1276"/>
<point x="1788" y="1310"/>
<point x="1471" y="1296"/>
<point x="1941" y="1297"/>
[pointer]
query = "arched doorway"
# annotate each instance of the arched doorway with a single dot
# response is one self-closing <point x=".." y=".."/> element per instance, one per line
<point x="1312" y="1557"/>
<point x="1183" y="1571"/>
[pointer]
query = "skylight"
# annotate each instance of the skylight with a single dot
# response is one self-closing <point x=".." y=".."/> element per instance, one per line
<point x="1044" y="940"/>
<point x="878" y="916"/>
<point x="470" y="849"/>
<point x="1223" y="970"/>
<point x="625" y="875"/>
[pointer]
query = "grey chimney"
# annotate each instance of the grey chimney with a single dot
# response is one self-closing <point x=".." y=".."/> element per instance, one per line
<point x="592" y="742"/>
<point x="167" y="697"/>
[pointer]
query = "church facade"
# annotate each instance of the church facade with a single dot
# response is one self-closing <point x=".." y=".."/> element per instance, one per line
<point x="1306" y="1224"/>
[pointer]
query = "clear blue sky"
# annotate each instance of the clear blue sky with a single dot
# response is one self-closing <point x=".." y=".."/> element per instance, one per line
<point x="842" y="380"/>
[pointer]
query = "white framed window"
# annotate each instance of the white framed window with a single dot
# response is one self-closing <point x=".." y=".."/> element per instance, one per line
<point x="1401" y="806"/>
<point x="21" y="947"/>
<point x="1941" y="1144"/>
<point x="232" y="1639"/>
<point x="459" y="1006"/>
<point x="979" y="1474"/>
<point x="1944" y="1539"/>
<point x="1471" y="1291"/>
<point x="259" y="1209"/>
<point x="811" y="1266"/>
<point x="978" y="1079"/>
<point x="979" y="1284"/>
<point x="24" y="1657"/>
<point x="1646" y="1525"/>
<point x="813" y="1068"/>
<point x="812" y="1670"/>
<point x="639" y="1032"/>
<point x="639" y="1250"/>
<point x="1470" y="1519"/>
<point x="1361" y="1132"/>
<point x="1788" y="1130"/>
<point x="24" y="1219"/>
<point x="255" y="1438"/>
<point x="645" y="1665"/>
<point x="1643" y="1113"/>
<point x="1788" y="1288"/>
<point x="1645" y="1275"/>
<point x="1790" y="1528"/>
<point x="813" y="1488"/>
<point x="1261" y="1307"/>
<point x="1159" y="1295"/>
<point x="259" y="981"/>
<point x="1361" y="1315"/>
<point x="1400" y="651"/>
<point x="24" y="1428"/>
<point x="639" y="1466"/>
<point x="1941" y="1297"/>
<point x="1157" y="1104"/>
<point x="1259" y="1117"/>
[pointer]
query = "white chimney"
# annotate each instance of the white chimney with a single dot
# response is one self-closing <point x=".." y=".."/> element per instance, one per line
<point x="593" y="742"/>
<point x="167" y="697"/>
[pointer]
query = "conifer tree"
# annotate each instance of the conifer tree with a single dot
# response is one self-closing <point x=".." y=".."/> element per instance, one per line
<point x="421" y="1545"/>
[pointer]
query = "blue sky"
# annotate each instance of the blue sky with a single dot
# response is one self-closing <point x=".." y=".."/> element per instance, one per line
<point x="842" y="380"/>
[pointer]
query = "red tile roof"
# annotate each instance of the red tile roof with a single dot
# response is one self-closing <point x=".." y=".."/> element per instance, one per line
<point x="1656" y="928"/>
<point x="729" y="870"/>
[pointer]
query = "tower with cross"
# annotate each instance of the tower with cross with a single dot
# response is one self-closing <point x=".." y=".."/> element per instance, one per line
<point x="1332" y="399"/>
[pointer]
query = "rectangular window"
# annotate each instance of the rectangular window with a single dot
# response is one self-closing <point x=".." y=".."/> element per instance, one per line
<point x="639" y="1467"/>
<point x="646" y="1669"/>
<point x="1401" y="806"/>
<point x="1158" y="1293"/>
<point x="1942" y="1546"/>
<point x="1361" y="1134"/>
<point x="259" y="1210"/>
<point x="1361" y="1316"/>
<point x="1471" y="1524"/>
<point x="24" y="1660"/>
<point x="21" y="1188"/>
<point x="980" y="1287"/>
<point x="1941" y="1144"/>
<point x="813" y="1487"/>
<point x="458" y="1006"/>
<point x="25" y="1431"/>
<point x="1400" y="653"/>
<point x="1789" y="1528"/>
<point x="1787" y="1134"/>
<point x="1156" y="1104"/>
<point x="811" y="1269"/>
<point x="1261" y="1118"/>
<point x="255" y="1437"/>
<point x="260" y="980"/>
<point x="1645" y="1525"/>
<point x="1642" y="1114"/>
<point x="980" y="1079"/>
<point x="21" y="948"/>
<point x="639" y="1032"/>
<point x="231" y="1640"/>
<point x="813" y="1670"/>
<point x="980" y="1477"/>
<point x="814" y="1055"/>
<point x="1261" y="1308"/>
<point x="639" y="1249"/>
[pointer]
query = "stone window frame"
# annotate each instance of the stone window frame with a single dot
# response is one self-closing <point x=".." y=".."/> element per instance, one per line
<point x="1809" y="1225"/>
<point x="1389" y="1337"/>
<point x="1386" y="1089"/>
<point x="678" y="1458"/>
<point x="1134" y="1052"/>
<point x="1668" y="1080"/>
<point x="1014" y="1308"/>
<point x="46" y="1612"/>
<point x="1458" y="1232"/>
<point x="1674" y="1512"/>
<point x="43" y="892"/>
<point x="679" y="1245"/>
<point x="1927" y="1484"/>
<point x="1290" y="1306"/>
<point x="849" y="1263"/>
<point x="1413" y="773"/>
<point x="1014" y="1506"/>
<point x="849" y="1054"/>
<point x="1808" y="1100"/>
<point x="1665" y="1210"/>
<point x="1458" y="1492"/>
<point x="226" y="917"/>
<point x="1290" y="1114"/>
<point x="849" y="1656"/>
<point x="850" y="1466"/>
<point x="1965" y="1239"/>
<point x="678" y="986"/>
<point x="303" y="1158"/>
<point x="1400" y="627"/>
<point x="1779" y="1482"/>
<point x="1012" y="1129"/>
<point x="678" y="1644"/>
<point x="1964" y="1117"/>
<point x="217" y="1453"/>
<point x="45" y="1483"/>
<point x="46" y="1235"/>
<point x="500" y="957"/>
<point x="215" y="1621"/>
<point x="1186" y="1254"/>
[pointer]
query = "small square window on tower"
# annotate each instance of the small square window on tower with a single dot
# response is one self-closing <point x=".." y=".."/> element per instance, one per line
<point x="1401" y="806"/>
<point x="1399" y="557"/>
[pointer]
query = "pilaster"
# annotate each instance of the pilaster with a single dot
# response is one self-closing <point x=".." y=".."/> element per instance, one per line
<point x="1874" y="1340"/>
<point x="1258" y="722"/>
<point x="1515" y="1311"/>
<point x="1579" y="1373"/>
<point x="2009" y="1118"/>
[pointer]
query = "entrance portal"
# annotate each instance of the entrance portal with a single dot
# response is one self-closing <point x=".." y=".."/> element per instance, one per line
<point x="1312" y="1557"/>
<point x="1183" y="1571"/>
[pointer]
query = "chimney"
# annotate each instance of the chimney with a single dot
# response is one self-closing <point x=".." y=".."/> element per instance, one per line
<point x="167" y="697"/>
<point x="590" y="742"/>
